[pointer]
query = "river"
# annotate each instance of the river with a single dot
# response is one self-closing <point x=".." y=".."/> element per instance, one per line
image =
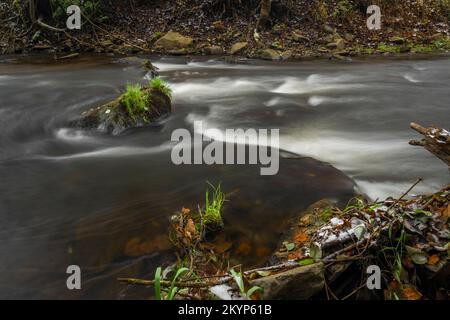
<point x="70" y="196"/>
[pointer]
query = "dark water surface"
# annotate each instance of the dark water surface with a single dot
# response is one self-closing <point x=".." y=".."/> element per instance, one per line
<point x="74" y="197"/>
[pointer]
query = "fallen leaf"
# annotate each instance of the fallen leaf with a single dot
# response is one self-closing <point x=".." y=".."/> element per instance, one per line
<point x="289" y="246"/>
<point x="416" y="255"/>
<point x="306" y="262"/>
<point x="185" y="210"/>
<point x="190" y="227"/>
<point x="296" y="255"/>
<point x="433" y="260"/>
<point x="300" y="238"/>
<point x="446" y="213"/>
<point x="411" y="294"/>
<point x="315" y="251"/>
<point x="264" y="273"/>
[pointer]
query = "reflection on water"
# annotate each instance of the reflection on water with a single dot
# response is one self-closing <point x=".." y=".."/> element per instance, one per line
<point x="74" y="197"/>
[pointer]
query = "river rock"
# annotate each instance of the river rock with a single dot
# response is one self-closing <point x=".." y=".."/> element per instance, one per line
<point x="300" y="283"/>
<point x="113" y="117"/>
<point x="214" y="50"/>
<point x="339" y="44"/>
<point x="173" y="41"/>
<point x="270" y="54"/>
<point x="329" y="29"/>
<point x="397" y="40"/>
<point x="298" y="36"/>
<point x="238" y="47"/>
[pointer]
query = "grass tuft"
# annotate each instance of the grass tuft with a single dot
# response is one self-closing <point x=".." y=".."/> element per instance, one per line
<point x="158" y="84"/>
<point x="135" y="100"/>
<point x="212" y="218"/>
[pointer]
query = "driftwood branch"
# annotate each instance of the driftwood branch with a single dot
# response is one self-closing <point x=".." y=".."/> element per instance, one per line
<point x="44" y="25"/>
<point x="221" y="279"/>
<point x="436" y="141"/>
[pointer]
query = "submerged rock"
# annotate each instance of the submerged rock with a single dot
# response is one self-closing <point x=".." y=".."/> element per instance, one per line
<point x="114" y="118"/>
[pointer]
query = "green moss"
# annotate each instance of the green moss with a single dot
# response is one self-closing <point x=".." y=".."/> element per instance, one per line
<point x="441" y="44"/>
<point x="387" y="48"/>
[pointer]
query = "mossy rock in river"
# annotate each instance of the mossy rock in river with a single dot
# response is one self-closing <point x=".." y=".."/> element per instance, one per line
<point x="114" y="117"/>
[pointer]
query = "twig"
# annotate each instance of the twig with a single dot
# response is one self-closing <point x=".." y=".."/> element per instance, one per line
<point x="354" y="291"/>
<point x="44" y="25"/>
<point x="406" y="193"/>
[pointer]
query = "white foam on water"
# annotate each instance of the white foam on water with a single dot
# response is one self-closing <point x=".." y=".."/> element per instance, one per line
<point x="112" y="152"/>
<point x="359" y="158"/>
<point x="165" y="67"/>
<point x="219" y="133"/>
<point x="219" y="88"/>
<point x="383" y="189"/>
<point x="315" y="101"/>
<point x="318" y="83"/>
<point x="409" y="77"/>
<point x="72" y="135"/>
<point x="273" y="102"/>
<point x="419" y="67"/>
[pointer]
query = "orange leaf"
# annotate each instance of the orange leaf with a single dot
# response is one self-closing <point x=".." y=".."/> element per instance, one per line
<point x="433" y="260"/>
<point x="411" y="294"/>
<point x="190" y="227"/>
<point x="185" y="210"/>
<point x="295" y="255"/>
<point x="300" y="237"/>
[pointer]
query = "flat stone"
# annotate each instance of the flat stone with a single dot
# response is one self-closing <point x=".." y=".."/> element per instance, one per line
<point x="339" y="44"/>
<point x="300" y="283"/>
<point x="214" y="50"/>
<point x="297" y="36"/>
<point x="173" y="41"/>
<point x="238" y="47"/>
<point x="397" y="40"/>
<point x="270" y="54"/>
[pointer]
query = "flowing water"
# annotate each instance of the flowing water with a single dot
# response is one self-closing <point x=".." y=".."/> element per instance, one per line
<point x="70" y="196"/>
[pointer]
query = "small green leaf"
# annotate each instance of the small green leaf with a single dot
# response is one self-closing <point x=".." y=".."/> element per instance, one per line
<point x="306" y="262"/>
<point x="252" y="290"/>
<point x="419" y="258"/>
<point x="290" y="246"/>
<point x="264" y="273"/>
<point x="158" y="284"/>
<point x="424" y="212"/>
<point x="360" y="231"/>
<point x="315" y="252"/>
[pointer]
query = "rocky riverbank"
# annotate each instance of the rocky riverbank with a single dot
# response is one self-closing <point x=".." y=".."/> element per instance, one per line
<point x="327" y="28"/>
